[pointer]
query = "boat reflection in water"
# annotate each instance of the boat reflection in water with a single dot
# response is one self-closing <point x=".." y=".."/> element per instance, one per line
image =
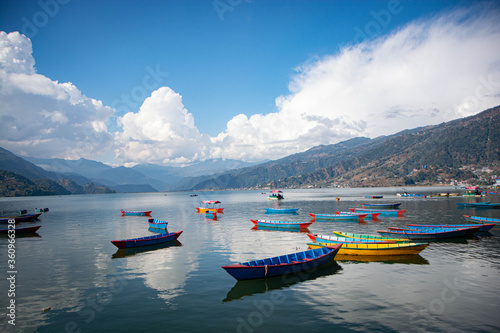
<point x="415" y="259"/>
<point x="259" y="286"/>
<point x="131" y="251"/>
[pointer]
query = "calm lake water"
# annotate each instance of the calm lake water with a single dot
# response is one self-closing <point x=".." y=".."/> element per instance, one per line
<point x="90" y="286"/>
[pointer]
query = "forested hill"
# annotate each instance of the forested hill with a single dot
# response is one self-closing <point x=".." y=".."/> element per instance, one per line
<point x="453" y="150"/>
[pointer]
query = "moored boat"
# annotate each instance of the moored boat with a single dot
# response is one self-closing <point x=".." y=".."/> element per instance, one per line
<point x="210" y="206"/>
<point x="338" y="217"/>
<point x="368" y="237"/>
<point x="211" y="215"/>
<point x="340" y="240"/>
<point x="282" y="265"/>
<point x="281" y="224"/>
<point x="157" y="224"/>
<point x="479" y="219"/>
<point x="421" y="234"/>
<point x="470" y="231"/>
<point x="374" y="196"/>
<point x="381" y="205"/>
<point x="21" y="230"/>
<point x="475" y="227"/>
<point x="20" y="218"/>
<point x="281" y="210"/>
<point x="369" y="215"/>
<point x="376" y="249"/>
<point x="145" y="241"/>
<point x="383" y="212"/>
<point x="135" y="213"/>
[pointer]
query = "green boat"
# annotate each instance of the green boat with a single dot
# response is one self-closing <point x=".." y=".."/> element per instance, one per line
<point x="369" y="237"/>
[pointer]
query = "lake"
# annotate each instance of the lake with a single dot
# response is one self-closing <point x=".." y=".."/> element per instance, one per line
<point x="70" y="278"/>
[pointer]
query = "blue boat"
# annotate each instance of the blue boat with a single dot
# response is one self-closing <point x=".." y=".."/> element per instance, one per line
<point x="383" y="212"/>
<point x="338" y="217"/>
<point x="282" y="265"/>
<point x="281" y="210"/>
<point x="382" y="205"/>
<point x="157" y="224"/>
<point x="424" y="234"/>
<point x="281" y="224"/>
<point x="145" y="241"/>
<point x="479" y="219"/>
<point x="476" y="227"/>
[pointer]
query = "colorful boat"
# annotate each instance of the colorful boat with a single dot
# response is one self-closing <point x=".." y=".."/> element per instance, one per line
<point x="135" y="213"/>
<point x="480" y="219"/>
<point x="374" y="196"/>
<point x="21" y="230"/>
<point x="282" y="265"/>
<point x="478" y="204"/>
<point x="41" y="210"/>
<point x="383" y="212"/>
<point x="210" y="206"/>
<point x="377" y="249"/>
<point x="427" y="234"/>
<point x="369" y="215"/>
<point x="276" y="195"/>
<point x="338" y="217"/>
<point x="479" y="227"/>
<point x="20" y="218"/>
<point x="470" y="231"/>
<point x="281" y="210"/>
<point x="382" y="205"/>
<point x="157" y="224"/>
<point x="340" y="240"/>
<point x="408" y="195"/>
<point x="368" y="237"/>
<point x="145" y="241"/>
<point x="281" y="224"/>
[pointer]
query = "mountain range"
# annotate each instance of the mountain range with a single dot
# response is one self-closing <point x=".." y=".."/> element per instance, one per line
<point x="466" y="149"/>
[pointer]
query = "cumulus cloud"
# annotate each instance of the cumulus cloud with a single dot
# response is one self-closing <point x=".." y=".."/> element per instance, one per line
<point x="427" y="72"/>
<point x="163" y="131"/>
<point x="45" y="118"/>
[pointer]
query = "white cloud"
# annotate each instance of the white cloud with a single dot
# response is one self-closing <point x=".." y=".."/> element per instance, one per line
<point x="161" y="132"/>
<point x="41" y="117"/>
<point x="426" y="73"/>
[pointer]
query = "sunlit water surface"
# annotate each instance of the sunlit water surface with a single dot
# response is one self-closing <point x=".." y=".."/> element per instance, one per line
<point x="72" y="268"/>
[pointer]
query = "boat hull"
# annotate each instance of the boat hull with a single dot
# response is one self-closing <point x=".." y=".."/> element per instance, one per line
<point x="383" y="212"/>
<point x="393" y="249"/>
<point x="145" y="241"/>
<point x="415" y="234"/>
<point x="342" y="240"/>
<point x="338" y="217"/>
<point x="281" y="210"/>
<point x="281" y="224"/>
<point x="20" y="218"/>
<point x="22" y="230"/>
<point x="386" y="205"/>
<point x="475" y="227"/>
<point x="480" y="219"/>
<point x="368" y="237"/>
<point x="157" y="224"/>
<point x="282" y="265"/>
<point x="209" y="210"/>
<point x="136" y="213"/>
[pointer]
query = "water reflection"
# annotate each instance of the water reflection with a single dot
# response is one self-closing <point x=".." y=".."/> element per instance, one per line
<point x="122" y="253"/>
<point x="259" y="286"/>
<point x="403" y="259"/>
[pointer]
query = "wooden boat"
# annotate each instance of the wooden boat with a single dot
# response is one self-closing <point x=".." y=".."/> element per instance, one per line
<point x="145" y="241"/>
<point x="383" y="212"/>
<point x="373" y="215"/>
<point x="368" y="237"/>
<point x="157" y="224"/>
<point x="281" y="210"/>
<point x="281" y="224"/>
<point x="480" y="219"/>
<point x="338" y="217"/>
<point x="427" y="234"/>
<point x="384" y="205"/>
<point x="20" y="218"/>
<point x="374" y="196"/>
<point x="479" y="227"/>
<point x="340" y="240"/>
<point x="210" y="206"/>
<point x="276" y="195"/>
<point x="470" y="231"/>
<point x="478" y="204"/>
<point x="376" y="249"/>
<point x="135" y="213"/>
<point x="282" y="265"/>
<point x="21" y="230"/>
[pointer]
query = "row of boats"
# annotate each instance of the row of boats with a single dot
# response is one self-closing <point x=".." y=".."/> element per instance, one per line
<point x="395" y="241"/>
<point x="23" y="216"/>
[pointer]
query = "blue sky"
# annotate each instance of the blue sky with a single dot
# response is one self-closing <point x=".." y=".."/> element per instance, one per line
<point x="224" y="58"/>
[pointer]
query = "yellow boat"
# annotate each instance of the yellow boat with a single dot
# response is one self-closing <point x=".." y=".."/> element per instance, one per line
<point x="370" y="237"/>
<point x="381" y="249"/>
